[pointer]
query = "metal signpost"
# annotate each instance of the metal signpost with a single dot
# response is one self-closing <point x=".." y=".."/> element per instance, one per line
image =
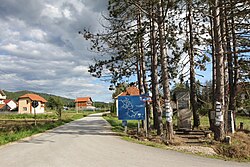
<point x="131" y="108"/>
<point x="34" y="105"/>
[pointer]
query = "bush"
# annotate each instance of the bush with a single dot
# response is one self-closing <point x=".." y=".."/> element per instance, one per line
<point x="204" y="109"/>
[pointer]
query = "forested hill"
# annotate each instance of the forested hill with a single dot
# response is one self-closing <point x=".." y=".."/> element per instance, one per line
<point x="15" y="95"/>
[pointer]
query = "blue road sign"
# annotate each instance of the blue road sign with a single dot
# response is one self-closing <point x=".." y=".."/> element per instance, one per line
<point x="131" y="108"/>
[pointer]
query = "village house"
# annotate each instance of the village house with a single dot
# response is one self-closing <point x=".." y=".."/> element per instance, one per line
<point x="8" y="105"/>
<point x="25" y="107"/>
<point x="84" y="103"/>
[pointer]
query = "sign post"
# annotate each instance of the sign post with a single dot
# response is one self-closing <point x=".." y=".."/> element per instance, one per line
<point x="146" y="98"/>
<point x="34" y="105"/>
<point x="125" y="124"/>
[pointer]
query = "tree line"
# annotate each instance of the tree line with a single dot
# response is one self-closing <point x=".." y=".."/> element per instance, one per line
<point x="159" y="41"/>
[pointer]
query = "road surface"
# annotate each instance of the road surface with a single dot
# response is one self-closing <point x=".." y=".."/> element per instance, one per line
<point x="90" y="143"/>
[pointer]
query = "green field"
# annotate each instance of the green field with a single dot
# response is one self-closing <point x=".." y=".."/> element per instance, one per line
<point x="204" y="122"/>
<point x="246" y="121"/>
<point x="14" y="127"/>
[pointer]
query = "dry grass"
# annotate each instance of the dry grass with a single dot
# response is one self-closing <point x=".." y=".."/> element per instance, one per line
<point x="240" y="147"/>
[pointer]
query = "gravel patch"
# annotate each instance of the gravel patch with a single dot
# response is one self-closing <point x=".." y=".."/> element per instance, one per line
<point x="196" y="150"/>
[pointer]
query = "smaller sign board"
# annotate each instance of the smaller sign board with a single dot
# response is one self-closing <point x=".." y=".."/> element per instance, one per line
<point x="182" y="98"/>
<point x="124" y="123"/>
<point x="34" y="103"/>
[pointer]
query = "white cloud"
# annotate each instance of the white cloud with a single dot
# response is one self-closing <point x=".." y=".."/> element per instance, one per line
<point x="51" y="11"/>
<point x="38" y="34"/>
<point x="41" y="50"/>
<point x="10" y="47"/>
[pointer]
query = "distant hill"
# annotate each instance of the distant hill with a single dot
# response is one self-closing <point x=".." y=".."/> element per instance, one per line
<point x="15" y="95"/>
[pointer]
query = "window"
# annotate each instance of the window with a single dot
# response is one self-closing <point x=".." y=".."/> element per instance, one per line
<point x="25" y="108"/>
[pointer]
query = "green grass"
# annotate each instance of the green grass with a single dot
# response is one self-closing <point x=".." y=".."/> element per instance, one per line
<point x="28" y="116"/>
<point x="245" y="120"/>
<point x="18" y="131"/>
<point x="26" y="131"/>
<point x="204" y="122"/>
<point x="117" y="124"/>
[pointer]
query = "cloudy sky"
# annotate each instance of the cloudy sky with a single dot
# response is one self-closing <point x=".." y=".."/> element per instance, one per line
<point x="41" y="50"/>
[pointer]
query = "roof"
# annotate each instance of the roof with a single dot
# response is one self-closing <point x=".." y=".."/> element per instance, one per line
<point x="33" y="97"/>
<point x="2" y="105"/>
<point x="7" y="101"/>
<point x="83" y="99"/>
<point x="130" y="91"/>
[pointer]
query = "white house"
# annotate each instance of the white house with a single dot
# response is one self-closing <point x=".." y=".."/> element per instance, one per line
<point x="10" y="104"/>
<point x="25" y="101"/>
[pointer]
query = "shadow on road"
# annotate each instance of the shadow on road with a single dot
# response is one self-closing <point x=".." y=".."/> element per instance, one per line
<point x="37" y="141"/>
<point x="91" y="125"/>
<point x="86" y="127"/>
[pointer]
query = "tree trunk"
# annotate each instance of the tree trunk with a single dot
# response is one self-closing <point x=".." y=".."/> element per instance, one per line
<point x="193" y="97"/>
<point x="154" y="76"/>
<point x="219" y="128"/>
<point x="143" y="68"/>
<point x="139" y="79"/>
<point x="211" y="120"/>
<point x="164" y="70"/>
<point x="231" y="102"/>
<point x="236" y="75"/>
<point x="224" y="46"/>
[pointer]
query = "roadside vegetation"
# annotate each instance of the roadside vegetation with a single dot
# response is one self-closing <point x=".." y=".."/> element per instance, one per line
<point x="238" y="150"/>
<point x="14" y="127"/>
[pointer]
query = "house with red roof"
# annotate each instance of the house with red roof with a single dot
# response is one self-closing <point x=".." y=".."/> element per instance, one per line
<point x="25" y="107"/>
<point x="84" y="103"/>
<point x="8" y="105"/>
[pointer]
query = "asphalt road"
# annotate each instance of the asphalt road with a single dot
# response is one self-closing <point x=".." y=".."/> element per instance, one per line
<point x="90" y="143"/>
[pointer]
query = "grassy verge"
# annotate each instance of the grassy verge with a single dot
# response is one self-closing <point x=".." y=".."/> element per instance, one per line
<point x="19" y="130"/>
<point x="239" y="150"/>
<point x="117" y="124"/>
<point x="244" y="120"/>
